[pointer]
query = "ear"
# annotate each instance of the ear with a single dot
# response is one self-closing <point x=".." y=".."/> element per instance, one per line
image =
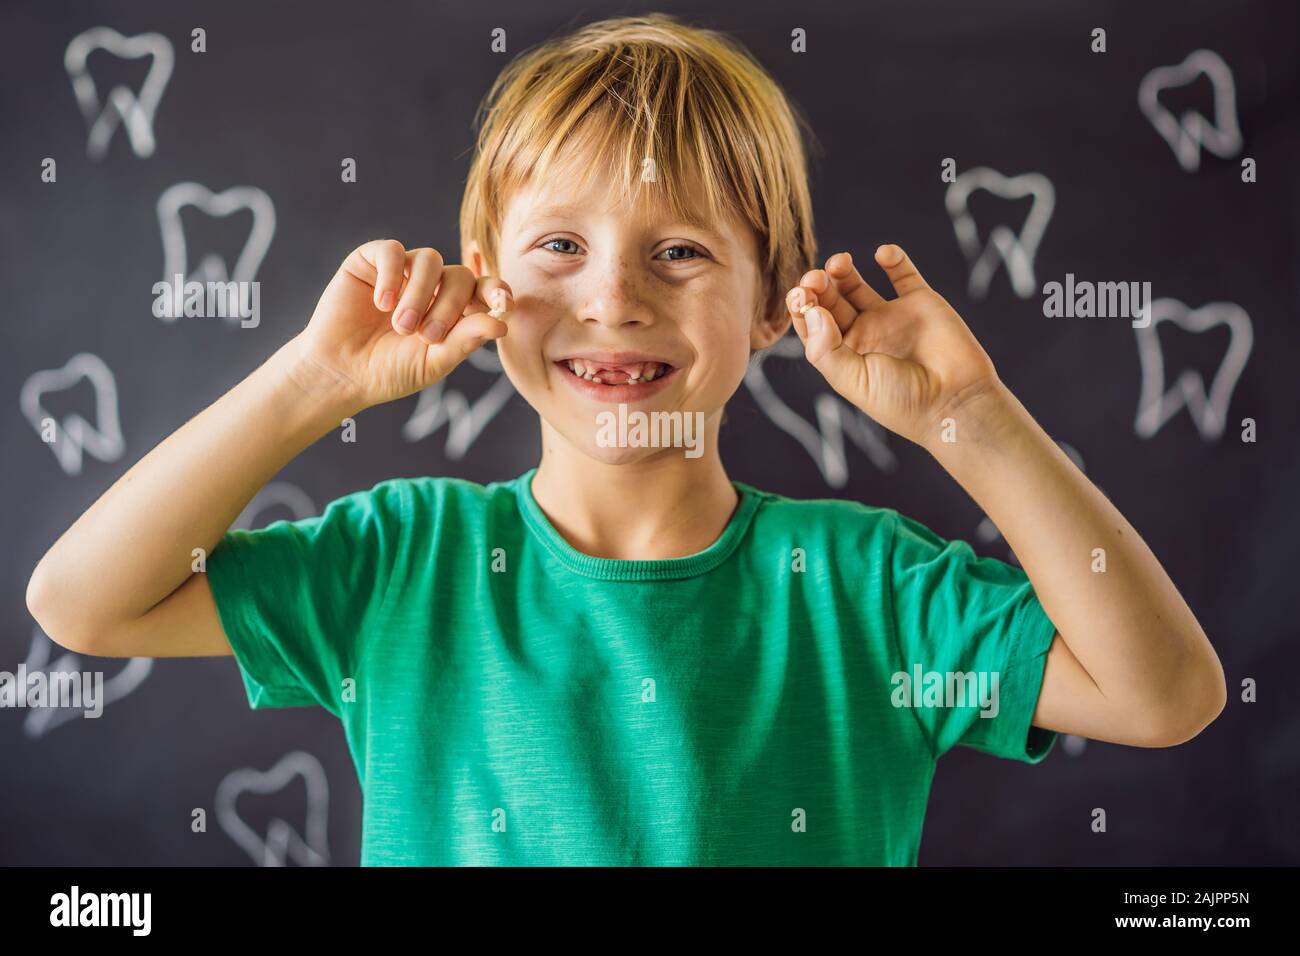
<point x="769" y="328"/>
<point x="476" y="261"/>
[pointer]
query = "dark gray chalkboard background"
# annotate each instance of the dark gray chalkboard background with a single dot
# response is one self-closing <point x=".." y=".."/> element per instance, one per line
<point x="282" y="96"/>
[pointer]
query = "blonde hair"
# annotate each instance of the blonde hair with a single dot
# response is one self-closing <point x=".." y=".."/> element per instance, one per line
<point x="690" y="99"/>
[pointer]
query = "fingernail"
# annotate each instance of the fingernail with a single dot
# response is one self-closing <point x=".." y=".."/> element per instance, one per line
<point x="408" y="319"/>
<point x="435" y="332"/>
<point x="813" y="317"/>
<point x="795" y="300"/>
<point x="387" y="300"/>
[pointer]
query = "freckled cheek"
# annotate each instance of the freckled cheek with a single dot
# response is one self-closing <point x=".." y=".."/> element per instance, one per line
<point x="539" y="306"/>
<point x="721" y="357"/>
<point x="539" y="300"/>
<point x="722" y="331"/>
<point x="523" y="347"/>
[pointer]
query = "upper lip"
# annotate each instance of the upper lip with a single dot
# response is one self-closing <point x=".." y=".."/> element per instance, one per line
<point x="616" y="358"/>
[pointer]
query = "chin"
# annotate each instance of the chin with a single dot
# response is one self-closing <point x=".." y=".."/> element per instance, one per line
<point x="623" y="456"/>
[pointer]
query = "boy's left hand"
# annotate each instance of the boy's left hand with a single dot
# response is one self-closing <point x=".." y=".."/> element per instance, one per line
<point x="907" y="362"/>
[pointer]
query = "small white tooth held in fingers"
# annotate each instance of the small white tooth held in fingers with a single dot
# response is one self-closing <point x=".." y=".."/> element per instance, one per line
<point x="498" y="304"/>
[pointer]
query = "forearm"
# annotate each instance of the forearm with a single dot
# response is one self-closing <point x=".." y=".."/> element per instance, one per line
<point x="135" y="545"/>
<point x="1128" y="626"/>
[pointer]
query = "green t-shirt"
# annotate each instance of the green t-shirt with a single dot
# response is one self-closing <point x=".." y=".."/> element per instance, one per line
<point x="508" y="700"/>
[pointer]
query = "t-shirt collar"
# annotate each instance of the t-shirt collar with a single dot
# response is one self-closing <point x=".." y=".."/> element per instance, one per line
<point x="612" y="569"/>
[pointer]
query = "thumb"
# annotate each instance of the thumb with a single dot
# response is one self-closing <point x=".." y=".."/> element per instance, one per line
<point x="467" y="335"/>
<point x="825" y="350"/>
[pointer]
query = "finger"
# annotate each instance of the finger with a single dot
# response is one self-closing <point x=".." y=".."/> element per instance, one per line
<point x="828" y="297"/>
<point x="849" y="282"/>
<point x="424" y="267"/>
<point x="817" y="330"/>
<point x="454" y="293"/>
<point x="887" y="328"/>
<point x="388" y="256"/>
<point x="842" y="368"/>
<point x="492" y="295"/>
<point x="823" y="333"/>
<point x="800" y="301"/>
<point x="898" y="266"/>
<point x="469" y="334"/>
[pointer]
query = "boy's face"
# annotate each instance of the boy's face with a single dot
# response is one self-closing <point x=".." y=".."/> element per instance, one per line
<point x="615" y="306"/>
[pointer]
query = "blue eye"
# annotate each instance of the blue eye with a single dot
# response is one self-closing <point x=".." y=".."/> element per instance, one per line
<point x="682" y="258"/>
<point x="548" y="242"/>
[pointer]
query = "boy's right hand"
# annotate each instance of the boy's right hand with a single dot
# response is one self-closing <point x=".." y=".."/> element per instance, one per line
<point x="355" y="342"/>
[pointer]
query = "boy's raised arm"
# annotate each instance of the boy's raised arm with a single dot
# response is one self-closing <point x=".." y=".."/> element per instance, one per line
<point x="119" y="581"/>
<point x="1129" y="663"/>
<point x="134" y="546"/>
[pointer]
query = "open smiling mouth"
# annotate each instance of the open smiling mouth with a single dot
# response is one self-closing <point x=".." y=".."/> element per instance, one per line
<point x="611" y="374"/>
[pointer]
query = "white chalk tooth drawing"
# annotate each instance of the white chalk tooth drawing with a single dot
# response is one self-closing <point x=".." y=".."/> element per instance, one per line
<point x="281" y="843"/>
<point x="1016" y="252"/>
<point x="1186" y="135"/>
<point x="276" y="494"/>
<point x="1209" y="412"/>
<point x="213" y="267"/>
<point x="437" y="406"/>
<point x="102" y="440"/>
<point x="40" y="721"/>
<point x="988" y="533"/>
<point x="824" y="442"/>
<point x="120" y="106"/>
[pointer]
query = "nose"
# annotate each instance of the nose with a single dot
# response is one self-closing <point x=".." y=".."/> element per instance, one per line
<point x="617" y="297"/>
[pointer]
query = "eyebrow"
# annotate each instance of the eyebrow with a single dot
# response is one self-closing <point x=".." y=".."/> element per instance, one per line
<point x="564" y="210"/>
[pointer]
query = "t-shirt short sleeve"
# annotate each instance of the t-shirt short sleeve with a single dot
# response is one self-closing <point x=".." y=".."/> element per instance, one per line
<point x="975" y="634"/>
<point x="295" y="598"/>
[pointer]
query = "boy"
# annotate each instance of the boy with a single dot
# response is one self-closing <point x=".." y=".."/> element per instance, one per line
<point x="622" y="656"/>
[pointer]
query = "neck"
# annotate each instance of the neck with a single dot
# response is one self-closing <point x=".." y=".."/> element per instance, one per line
<point x="662" y="506"/>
